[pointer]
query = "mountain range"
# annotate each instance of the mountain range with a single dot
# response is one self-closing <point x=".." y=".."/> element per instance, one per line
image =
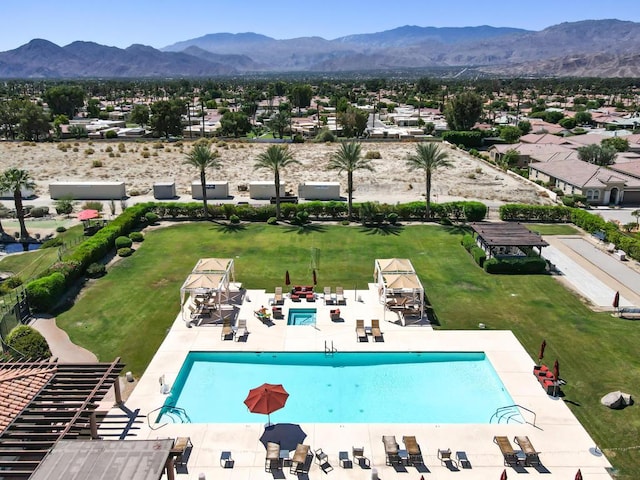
<point x="605" y="48"/>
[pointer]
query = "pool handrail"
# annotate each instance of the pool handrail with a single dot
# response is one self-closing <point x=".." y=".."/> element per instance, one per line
<point x="499" y="413"/>
<point x="182" y="411"/>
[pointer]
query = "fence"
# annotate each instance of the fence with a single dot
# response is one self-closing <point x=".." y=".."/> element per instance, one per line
<point x="13" y="313"/>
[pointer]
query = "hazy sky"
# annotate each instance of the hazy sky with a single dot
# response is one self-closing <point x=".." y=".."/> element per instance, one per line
<point x="159" y="23"/>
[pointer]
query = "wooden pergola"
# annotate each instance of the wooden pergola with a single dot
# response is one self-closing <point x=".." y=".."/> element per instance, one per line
<point x="45" y="402"/>
<point x="506" y="239"/>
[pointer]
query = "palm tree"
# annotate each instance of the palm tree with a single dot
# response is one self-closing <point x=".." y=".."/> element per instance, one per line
<point x="349" y="159"/>
<point x="15" y="180"/>
<point x="202" y="157"/>
<point x="428" y="157"/>
<point x="275" y="158"/>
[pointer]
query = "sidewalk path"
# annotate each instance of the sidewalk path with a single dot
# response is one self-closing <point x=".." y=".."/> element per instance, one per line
<point x="61" y="346"/>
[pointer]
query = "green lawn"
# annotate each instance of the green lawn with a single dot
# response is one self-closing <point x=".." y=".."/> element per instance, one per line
<point x="127" y="313"/>
<point x="552" y="228"/>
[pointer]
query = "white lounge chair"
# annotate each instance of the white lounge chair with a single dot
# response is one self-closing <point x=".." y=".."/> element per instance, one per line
<point x="241" y="330"/>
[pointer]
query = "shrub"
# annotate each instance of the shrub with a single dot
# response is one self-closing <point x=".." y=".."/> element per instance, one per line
<point x="125" y="252"/>
<point x="301" y="218"/>
<point x="89" y="151"/>
<point x="516" y="266"/>
<point x="479" y="255"/>
<point x="326" y="135"/>
<point x="93" y="205"/>
<point x="96" y="270"/>
<point x="109" y="149"/>
<point x="392" y="218"/>
<point x="474" y="211"/>
<point x="122" y="148"/>
<point x="123" y="242"/>
<point x="234" y="219"/>
<point x="45" y="292"/>
<point x="372" y="154"/>
<point x="468" y="242"/>
<point x="64" y="206"/>
<point x="28" y="342"/>
<point x="345" y="222"/>
<point x="136" y="236"/>
<point x="145" y="154"/>
<point x="151" y="218"/>
<point x="39" y="212"/>
<point x="464" y="139"/>
<point x="96" y="163"/>
<point x="53" y="242"/>
<point x="272" y="221"/>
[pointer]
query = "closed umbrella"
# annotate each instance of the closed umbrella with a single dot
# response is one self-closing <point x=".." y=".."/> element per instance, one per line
<point x="504" y="475"/>
<point x="556" y="370"/>
<point x="616" y="300"/>
<point x="543" y="345"/>
<point x="266" y="399"/>
<point x="578" y="475"/>
<point x="315" y="278"/>
<point x="287" y="280"/>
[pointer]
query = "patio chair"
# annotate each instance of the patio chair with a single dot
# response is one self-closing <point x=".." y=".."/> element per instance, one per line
<point x="328" y="298"/>
<point x="323" y="460"/>
<point x="241" y="330"/>
<point x="391" y="450"/>
<point x="340" y="300"/>
<point x="444" y="454"/>
<point x="344" y="460"/>
<point x="531" y="454"/>
<point x="508" y="453"/>
<point x="375" y="329"/>
<point x="463" y="460"/>
<point x="299" y="460"/>
<point x="358" y="456"/>
<point x="334" y="314"/>
<point x="278" y="299"/>
<point x="413" y="449"/>
<point x="180" y="449"/>
<point x="361" y="333"/>
<point x="272" y="458"/>
<point x="227" y="331"/>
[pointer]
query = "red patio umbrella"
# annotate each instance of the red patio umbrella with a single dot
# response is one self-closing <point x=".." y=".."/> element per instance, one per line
<point x="616" y="300"/>
<point x="315" y="278"/>
<point x="287" y="280"/>
<point x="543" y="345"/>
<point x="578" y="475"/>
<point x="266" y="399"/>
<point x="504" y="475"/>
<point x="88" y="214"/>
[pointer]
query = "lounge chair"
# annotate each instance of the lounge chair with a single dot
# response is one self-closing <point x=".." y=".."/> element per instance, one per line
<point x="508" y="453"/>
<point x="340" y="300"/>
<point x="278" y="299"/>
<point x="375" y="329"/>
<point x="444" y="455"/>
<point x="328" y="299"/>
<point x="531" y="454"/>
<point x="413" y="449"/>
<point x="344" y="460"/>
<point x="462" y="459"/>
<point x="181" y="446"/>
<point x="391" y="448"/>
<point x="241" y="330"/>
<point x="299" y="460"/>
<point x="361" y="333"/>
<point x="227" y="331"/>
<point x="358" y="456"/>
<point x="272" y="459"/>
<point x="323" y="460"/>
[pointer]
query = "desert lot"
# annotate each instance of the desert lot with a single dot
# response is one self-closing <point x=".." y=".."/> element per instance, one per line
<point x="391" y="182"/>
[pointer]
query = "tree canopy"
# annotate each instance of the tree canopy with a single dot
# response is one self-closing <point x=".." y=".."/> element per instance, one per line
<point x="64" y="99"/>
<point x="166" y="117"/>
<point x="463" y="111"/>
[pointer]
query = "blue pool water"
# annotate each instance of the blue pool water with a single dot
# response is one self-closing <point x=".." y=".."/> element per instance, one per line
<point x="301" y="316"/>
<point x="349" y="387"/>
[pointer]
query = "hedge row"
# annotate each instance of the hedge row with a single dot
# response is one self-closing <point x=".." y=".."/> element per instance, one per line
<point x="516" y="266"/>
<point x="535" y="213"/>
<point x="331" y="210"/>
<point x="469" y="244"/>
<point x="45" y="292"/>
<point x="469" y="139"/>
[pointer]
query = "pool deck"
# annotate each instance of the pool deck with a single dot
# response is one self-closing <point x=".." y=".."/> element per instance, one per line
<point x="564" y="444"/>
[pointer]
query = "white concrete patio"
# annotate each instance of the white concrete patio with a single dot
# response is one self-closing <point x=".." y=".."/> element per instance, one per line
<point x="564" y="445"/>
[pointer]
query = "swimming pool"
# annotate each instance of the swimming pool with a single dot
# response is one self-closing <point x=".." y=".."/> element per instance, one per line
<point x="301" y="316"/>
<point x="348" y="387"/>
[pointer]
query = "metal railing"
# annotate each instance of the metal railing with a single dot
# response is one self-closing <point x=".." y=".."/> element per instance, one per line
<point x="510" y="412"/>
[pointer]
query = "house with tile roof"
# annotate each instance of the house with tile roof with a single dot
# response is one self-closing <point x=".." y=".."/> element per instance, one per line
<point x="601" y="185"/>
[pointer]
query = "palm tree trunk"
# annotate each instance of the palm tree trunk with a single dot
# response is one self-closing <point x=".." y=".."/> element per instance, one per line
<point x="350" y="194"/>
<point x="428" y="196"/>
<point x="203" y="182"/>
<point x="277" y="185"/>
<point x="17" y="197"/>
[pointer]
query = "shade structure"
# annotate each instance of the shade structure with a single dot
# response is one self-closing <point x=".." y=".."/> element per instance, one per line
<point x="543" y="345"/>
<point x="578" y="475"/>
<point x="616" y="300"/>
<point x="88" y="214"/>
<point x="287" y="280"/>
<point x="315" y="277"/>
<point x="287" y="435"/>
<point x="266" y="399"/>
<point x="504" y="475"/>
